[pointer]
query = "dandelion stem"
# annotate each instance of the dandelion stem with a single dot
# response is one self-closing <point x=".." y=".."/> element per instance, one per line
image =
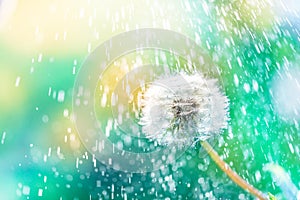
<point x="232" y="174"/>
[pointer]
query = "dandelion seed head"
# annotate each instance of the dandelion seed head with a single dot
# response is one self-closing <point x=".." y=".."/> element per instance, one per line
<point x="181" y="109"/>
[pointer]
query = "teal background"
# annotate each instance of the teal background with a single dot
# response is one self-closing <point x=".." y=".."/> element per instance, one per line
<point x="41" y="150"/>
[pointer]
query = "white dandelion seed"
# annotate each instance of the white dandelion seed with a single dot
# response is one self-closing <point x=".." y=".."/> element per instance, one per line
<point x="181" y="109"/>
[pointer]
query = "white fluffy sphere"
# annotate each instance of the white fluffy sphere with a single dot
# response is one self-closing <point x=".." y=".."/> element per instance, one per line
<point x="181" y="109"/>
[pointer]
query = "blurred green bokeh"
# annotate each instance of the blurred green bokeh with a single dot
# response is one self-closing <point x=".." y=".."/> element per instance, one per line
<point x="43" y="45"/>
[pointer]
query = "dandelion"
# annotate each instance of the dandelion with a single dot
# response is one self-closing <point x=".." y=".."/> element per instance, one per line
<point x="180" y="110"/>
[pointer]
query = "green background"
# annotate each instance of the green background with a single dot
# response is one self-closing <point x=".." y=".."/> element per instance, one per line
<point x="41" y="150"/>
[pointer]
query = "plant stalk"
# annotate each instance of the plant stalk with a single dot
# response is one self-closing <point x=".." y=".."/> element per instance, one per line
<point x="232" y="174"/>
